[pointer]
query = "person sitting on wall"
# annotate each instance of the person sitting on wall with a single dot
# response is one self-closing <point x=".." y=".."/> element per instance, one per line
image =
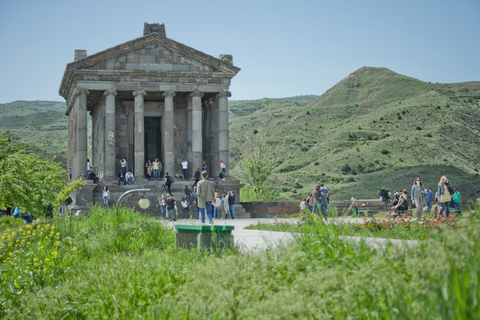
<point x="402" y="204"/>
<point x="92" y="176"/>
<point x="121" y="177"/>
<point x="129" y="177"/>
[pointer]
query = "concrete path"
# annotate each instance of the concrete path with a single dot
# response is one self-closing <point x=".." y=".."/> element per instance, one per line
<point x="256" y="240"/>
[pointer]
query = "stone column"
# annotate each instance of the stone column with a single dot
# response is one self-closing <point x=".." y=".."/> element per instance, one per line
<point x="81" y="161"/>
<point x="223" y="140"/>
<point x="139" y="155"/>
<point x="110" y="152"/>
<point x="191" y="170"/>
<point x="168" y="134"/>
<point x="216" y="160"/>
<point x="197" y="145"/>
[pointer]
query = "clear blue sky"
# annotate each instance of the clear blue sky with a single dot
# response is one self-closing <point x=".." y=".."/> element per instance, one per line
<point x="284" y="48"/>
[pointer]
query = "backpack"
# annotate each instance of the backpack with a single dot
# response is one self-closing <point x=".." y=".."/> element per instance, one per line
<point x="170" y="179"/>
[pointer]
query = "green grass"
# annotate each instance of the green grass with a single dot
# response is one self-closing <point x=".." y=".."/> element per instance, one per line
<point x="125" y="266"/>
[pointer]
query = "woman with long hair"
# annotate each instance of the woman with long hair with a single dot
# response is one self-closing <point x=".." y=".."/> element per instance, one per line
<point x="444" y="196"/>
<point x="418" y="196"/>
<point x="106" y="196"/>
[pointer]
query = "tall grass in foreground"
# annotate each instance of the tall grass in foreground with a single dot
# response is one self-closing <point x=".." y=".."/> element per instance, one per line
<point x="318" y="276"/>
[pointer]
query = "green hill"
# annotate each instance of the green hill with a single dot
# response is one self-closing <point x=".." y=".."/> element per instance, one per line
<point x="375" y="128"/>
<point x="366" y="132"/>
<point x="41" y="124"/>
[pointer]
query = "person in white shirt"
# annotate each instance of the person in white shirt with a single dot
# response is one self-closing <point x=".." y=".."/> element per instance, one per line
<point x="184" y="206"/>
<point x="129" y="177"/>
<point x="185" y="169"/>
<point x="216" y="206"/>
<point x="106" y="195"/>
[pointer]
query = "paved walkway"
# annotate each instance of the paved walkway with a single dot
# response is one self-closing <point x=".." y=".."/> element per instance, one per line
<point x="257" y="240"/>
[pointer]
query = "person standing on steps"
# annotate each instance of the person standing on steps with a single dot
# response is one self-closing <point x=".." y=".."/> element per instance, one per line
<point x="168" y="182"/>
<point x="149" y="168"/>
<point x="206" y="194"/>
<point x="196" y="177"/>
<point x="185" y="169"/>
<point x="155" y="167"/>
<point x="123" y="165"/>
<point x="204" y="166"/>
<point x="231" y="204"/>
<point x="222" y="168"/>
<point x="418" y="196"/>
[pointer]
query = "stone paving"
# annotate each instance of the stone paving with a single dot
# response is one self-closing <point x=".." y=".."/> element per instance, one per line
<point x="256" y="240"/>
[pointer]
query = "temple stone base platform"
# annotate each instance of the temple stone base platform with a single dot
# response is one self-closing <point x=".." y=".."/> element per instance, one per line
<point x="92" y="194"/>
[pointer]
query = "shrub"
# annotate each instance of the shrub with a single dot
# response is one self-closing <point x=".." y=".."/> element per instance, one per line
<point x="384" y="151"/>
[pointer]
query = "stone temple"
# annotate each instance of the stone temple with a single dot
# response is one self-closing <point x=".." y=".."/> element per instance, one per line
<point x="150" y="97"/>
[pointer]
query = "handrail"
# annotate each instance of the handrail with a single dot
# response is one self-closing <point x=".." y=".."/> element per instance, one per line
<point x="129" y="192"/>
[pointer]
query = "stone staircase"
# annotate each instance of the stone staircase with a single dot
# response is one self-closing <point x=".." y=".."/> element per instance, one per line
<point x="154" y="195"/>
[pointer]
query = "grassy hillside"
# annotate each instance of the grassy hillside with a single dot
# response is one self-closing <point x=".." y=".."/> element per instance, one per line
<point x="373" y="129"/>
<point x="370" y="129"/>
<point x="42" y="124"/>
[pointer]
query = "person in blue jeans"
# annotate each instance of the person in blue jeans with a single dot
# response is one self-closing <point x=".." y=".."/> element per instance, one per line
<point x="231" y="204"/>
<point x="216" y="206"/>
<point x="129" y="178"/>
<point x="163" y="205"/>
<point x="206" y="194"/>
<point x="444" y="196"/>
<point x="428" y="198"/>
<point x="457" y="199"/>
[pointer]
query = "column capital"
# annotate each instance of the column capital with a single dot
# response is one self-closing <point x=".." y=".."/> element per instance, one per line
<point x="140" y="93"/>
<point x="110" y="92"/>
<point x="79" y="91"/>
<point x="226" y="94"/>
<point x="196" y="93"/>
<point x="168" y="94"/>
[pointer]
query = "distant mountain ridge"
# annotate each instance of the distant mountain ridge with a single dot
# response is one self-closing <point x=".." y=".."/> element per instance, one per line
<point x="372" y="129"/>
<point x="365" y="129"/>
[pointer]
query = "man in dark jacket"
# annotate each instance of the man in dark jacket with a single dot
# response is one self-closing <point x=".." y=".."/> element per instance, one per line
<point x="167" y="183"/>
<point x="231" y="204"/>
<point x="170" y="202"/>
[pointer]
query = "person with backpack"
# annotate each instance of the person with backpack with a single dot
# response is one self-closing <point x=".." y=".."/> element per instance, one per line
<point x="168" y="182"/>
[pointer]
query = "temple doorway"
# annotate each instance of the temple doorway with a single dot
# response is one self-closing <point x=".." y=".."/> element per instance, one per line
<point x="153" y="138"/>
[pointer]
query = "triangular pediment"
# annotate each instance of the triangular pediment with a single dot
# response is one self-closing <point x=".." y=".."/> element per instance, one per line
<point x="153" y="53"/>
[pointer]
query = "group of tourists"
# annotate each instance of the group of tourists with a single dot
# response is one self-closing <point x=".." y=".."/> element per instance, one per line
<point x="208" y="203"/>
<point x="446" y="199"/>
<point x="317" y="201"/>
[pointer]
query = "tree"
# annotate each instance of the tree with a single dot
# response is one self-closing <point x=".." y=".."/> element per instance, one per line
<point x="258" y="164"/>
<point x="28" y="180"/>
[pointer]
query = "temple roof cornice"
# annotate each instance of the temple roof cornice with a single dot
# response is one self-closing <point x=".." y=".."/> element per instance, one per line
<point x="81" y="66"/>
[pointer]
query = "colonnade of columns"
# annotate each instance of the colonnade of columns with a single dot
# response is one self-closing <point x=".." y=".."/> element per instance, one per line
<point x="78" y="150"/>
